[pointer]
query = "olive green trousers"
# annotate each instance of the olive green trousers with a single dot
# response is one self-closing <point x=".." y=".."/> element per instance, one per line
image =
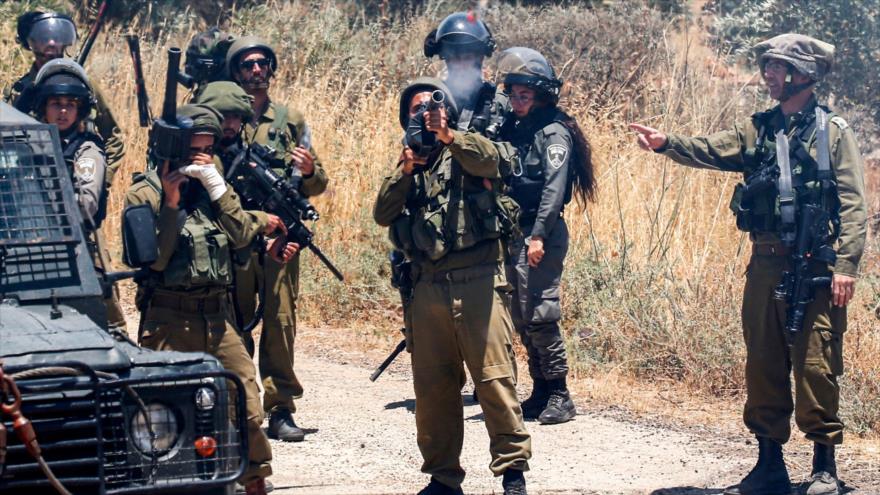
<point x="167" y="329"/>
<point x="464" y="319"/>
<point x="816" y="360"/>
<point x="278" y="335"/>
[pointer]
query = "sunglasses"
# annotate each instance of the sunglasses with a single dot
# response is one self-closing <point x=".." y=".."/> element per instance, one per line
<point x="249" y="64"/>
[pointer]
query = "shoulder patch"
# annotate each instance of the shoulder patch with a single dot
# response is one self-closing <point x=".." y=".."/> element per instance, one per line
<point x="839" y="122"/>
<point x="556" y="154"/>
<point x="84" y="168"/>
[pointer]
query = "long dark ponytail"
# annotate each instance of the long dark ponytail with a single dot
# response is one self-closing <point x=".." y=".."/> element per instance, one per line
<point x="581" y="163"/>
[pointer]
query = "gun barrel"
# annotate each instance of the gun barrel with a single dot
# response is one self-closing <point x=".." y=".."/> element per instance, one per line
<point x="437" y="99"/>
<point x="169" y="106"/>
<point x="93" y="33"/>
<point x="390" y="359"/>
<point x="329" y="264"/>
<point x="143" y="101"/>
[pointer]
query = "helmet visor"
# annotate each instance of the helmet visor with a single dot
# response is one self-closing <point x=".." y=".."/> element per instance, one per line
<point x="52" y="33"/>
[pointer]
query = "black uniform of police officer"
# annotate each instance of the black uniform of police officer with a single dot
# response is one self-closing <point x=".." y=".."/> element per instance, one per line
<point x="554" y="161"/>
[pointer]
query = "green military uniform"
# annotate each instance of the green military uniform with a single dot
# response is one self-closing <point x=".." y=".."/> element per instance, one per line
<point x="816" y="357"/>
<point x="458" y="311"/>
<point x="185" y="300"/>
<point x="102" y="118"/>
<point x="283" y="129"/>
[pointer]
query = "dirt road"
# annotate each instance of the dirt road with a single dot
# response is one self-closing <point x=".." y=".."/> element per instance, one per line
<point x="361" y="440"/>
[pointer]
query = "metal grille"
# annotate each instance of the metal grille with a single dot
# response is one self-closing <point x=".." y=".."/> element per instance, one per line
<point x="90" y="446"/>
<point x="41" y="240"/>
<point x="33" y="176"/>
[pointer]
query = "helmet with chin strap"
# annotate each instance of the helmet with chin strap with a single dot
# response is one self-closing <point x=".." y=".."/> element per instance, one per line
<point x="63" y="77"/>
<point x="527" y="67"/>
<point x="461" y="32"/>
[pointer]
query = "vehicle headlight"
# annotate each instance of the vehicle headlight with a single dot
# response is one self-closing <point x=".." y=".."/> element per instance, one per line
<point x="205" y="398"/>
<point x="164" y="425"/>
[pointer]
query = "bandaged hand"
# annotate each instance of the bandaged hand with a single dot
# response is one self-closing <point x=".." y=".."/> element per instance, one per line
<point x="210" y="178"/>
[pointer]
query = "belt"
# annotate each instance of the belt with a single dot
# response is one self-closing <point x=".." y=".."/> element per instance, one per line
<point x="214" y="303"/>
<point x="775" y="249"/>
<point x="464" y="274"/>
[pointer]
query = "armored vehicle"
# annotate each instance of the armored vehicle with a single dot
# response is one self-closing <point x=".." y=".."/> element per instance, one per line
<point x="107" y="416"/>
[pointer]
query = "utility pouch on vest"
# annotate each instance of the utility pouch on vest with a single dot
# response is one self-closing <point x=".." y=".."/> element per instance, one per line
<point x="202" y="259"/>
<point x="428" y="233"/>
<point x="485" y="216"/>
<point x="401" y="235"/>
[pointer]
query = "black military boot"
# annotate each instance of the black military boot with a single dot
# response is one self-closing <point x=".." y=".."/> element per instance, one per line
<point x="282" y="427"/>
<point x="437" y="488"/>
<point x="560" y="407"/>
<point x="513" y="482"/>
<point x="823" y="479"/>
<point x="537" y="401"/>
<point x="769" y="476"/>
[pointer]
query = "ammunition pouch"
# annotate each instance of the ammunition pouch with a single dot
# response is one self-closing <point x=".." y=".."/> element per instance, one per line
<point x="401" y="235"/>
<point x="202" y="258"/>
<point x="429" y="233"/>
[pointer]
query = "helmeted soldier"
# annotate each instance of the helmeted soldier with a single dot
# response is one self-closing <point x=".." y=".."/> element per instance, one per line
<point x="62" y="95"/>
<point x="206" y="58"/>
<point x="779" y="189"/>
<point x="185" y="296"/>
<point x="444" y="214"/>
<point x="463" y="42"/>
<point x="48" y="35"/>
<point x="554" y="164"/>
<point x="252" y="63"/>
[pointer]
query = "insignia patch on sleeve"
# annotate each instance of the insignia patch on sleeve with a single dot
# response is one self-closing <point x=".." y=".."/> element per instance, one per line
<point x="85" y="169"/>
<point x="556" y="155"/>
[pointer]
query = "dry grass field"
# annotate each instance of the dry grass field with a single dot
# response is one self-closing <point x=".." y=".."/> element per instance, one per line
<point x="655" y="272"/>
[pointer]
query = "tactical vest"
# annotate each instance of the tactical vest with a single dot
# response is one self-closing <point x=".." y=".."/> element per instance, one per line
<point x="526" y="182"/>
<point x="71" y="146"/>
<point x="451" y="211"/>
<point x="486" y="115"/>
<point x="755" y="201"/>
<point x="202" y="257"/>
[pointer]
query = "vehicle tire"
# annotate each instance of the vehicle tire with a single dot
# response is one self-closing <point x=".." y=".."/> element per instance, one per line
<point x="226" y="490"/>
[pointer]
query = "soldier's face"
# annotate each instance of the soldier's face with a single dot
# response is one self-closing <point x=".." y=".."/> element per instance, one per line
<point x="254" y="69"/>
<point x="774" y="74"/>
<point x="201" y="149"/>
<point x="462" y="62"/>
<point x="522" y="99"/>
<point x="45" y="52"/>
<point x="231" y="127"/>
<point x="62" y="111"/>
<point x="417" y="102"/>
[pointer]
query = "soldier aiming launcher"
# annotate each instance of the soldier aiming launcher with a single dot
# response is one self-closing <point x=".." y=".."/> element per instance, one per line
<point x="264" y="189"/>
<point x="170" y="135"/>
<point x="417" y="137"/>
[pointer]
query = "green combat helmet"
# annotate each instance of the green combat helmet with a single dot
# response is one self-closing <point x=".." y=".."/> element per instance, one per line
<point x="227" y="98"/>
<point x="242" y="45"/>
<point x="527" y="67"/>
<point x="809" y="56"/>
<point x="205" y="119"/>
<point x="206" y="55"/>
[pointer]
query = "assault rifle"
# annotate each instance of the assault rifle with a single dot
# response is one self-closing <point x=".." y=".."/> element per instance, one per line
<point x="417" y="136"/>
<point x="401" y="279"/>
<point x="264" y="189"/>
<point x="814" y="233"/>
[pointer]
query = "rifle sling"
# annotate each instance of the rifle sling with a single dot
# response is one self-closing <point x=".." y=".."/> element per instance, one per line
<point x="786" y="192"/>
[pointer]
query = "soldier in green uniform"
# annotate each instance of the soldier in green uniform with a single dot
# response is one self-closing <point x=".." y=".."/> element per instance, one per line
<point x="48" y="35"/>
<point x="443" y="215"/>
<point x="185" y="298"/>
<point x="63" y="96"/>
<point x="252" y="64"/>
<point x="791" y="64"/>
<point x="555" y="162"/>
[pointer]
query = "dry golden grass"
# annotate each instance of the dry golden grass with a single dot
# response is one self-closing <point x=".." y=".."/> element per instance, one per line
<point x="655" y="272"/>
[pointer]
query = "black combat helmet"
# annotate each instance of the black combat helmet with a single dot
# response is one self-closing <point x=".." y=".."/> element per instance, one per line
<point x="206" y="55"/>
<point x="63" y="77"/>
<point x="527" y="67"/>
<point x="461" y="32"/>
<point x="243" y="44"/>
<point x="41" y="28"/>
